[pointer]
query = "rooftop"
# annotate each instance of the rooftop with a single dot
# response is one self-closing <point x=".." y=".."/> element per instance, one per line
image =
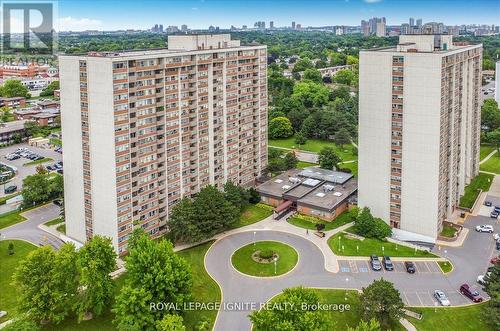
<point x="12" y="126"/>
<point x="315" y="187"/>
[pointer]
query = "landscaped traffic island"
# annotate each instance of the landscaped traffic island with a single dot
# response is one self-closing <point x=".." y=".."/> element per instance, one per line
<point x="347" y="244"/>
<point x="265" y="259"/>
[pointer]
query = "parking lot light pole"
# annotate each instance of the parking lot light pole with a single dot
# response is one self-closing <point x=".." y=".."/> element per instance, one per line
<point x="339" y="243"/>
<point x="254" y="237"/>
<point x="346" y="286"/>
<point x="275" y="262"/>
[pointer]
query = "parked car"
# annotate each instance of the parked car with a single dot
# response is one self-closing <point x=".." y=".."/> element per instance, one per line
<point x="10" y="189"/>
<point x="470" y="293"/>
<point x="487" y="203"/>
<point x="12" y="156"/>
<point x="497" y="209"/>
<point x="60" y="171"/>
<point x="58" y="202"/>
<point x="410" y="267"/>
<point x="496" y="236"/>
<point x="386" y="261"/>
<point x="485" y="228"/>
<point x="481" y="279"/>
<point x="495" y="260"/>
<point x="375" y="263"/>
<point x="490" y="268"/>
<point x="494" y="214"/>
<point x="441" y="298"/>
<point x="57" y="166"/>
<point x="497" y="244"/>
<point x="50" y="167"/>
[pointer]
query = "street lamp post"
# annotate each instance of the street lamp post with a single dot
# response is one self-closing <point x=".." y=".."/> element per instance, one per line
<point x="339" y="243"/>
<point x="346" y="286"/>
<point x="254" y="237"/>
<point x="275" y="262"/>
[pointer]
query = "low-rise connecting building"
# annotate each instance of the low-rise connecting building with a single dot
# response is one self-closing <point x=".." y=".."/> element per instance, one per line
<point x="311" y="191"/>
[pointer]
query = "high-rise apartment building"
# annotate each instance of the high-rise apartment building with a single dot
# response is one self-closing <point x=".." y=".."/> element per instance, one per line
<point x="411" y="21"/>
<point x="143" y="129"/>
<point x="419" y="130"/>
<point x="380" y="32"/>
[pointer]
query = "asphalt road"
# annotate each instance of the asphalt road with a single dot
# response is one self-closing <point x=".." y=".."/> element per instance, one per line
<point x="28" y="230"/>
<point x="470" y="261"/>
<point x="24" y="171"/>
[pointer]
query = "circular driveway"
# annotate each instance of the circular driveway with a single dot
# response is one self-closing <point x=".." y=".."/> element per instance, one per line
<point x="242" y="294"/>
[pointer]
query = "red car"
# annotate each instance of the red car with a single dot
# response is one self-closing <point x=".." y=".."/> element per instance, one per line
<point x="495" y="260"/>
<point x="470" y="293"/>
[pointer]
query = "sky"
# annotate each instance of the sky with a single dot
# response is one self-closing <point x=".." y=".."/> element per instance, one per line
<point x="77" y="15"/>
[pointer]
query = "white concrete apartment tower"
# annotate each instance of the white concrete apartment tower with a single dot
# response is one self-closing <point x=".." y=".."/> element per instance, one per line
<point x="143" y="129"/>
<point x="419" y="130"/>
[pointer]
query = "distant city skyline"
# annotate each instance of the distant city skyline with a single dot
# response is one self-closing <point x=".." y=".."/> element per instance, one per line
<point x="199" y="14"/>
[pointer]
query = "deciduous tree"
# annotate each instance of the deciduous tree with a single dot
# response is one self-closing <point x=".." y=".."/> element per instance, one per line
<point x="280" y="127"/>
<point x="328" y="159"/>
<point x="382" y="301"/>
<point x="293" y="317"/>
<point x="97" y="260"/>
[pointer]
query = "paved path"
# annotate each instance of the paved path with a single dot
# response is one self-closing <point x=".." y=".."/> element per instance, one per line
<point x="319" y="267"/>
<point x="488" y="157"/>
<point x="495" y="186"/>
<point x="29" y="231"/>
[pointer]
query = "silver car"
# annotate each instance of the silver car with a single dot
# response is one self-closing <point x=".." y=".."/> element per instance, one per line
<point x="441" y="298"/>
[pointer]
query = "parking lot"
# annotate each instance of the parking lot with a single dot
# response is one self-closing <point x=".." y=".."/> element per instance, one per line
<point x="485" y="210"/>
<point x="360" y="266"/>
<point x="426" y="298"/>
<point x="24" y="171"/>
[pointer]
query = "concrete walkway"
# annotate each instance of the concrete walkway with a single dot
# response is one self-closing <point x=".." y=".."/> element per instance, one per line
<point x="488" y="157"/>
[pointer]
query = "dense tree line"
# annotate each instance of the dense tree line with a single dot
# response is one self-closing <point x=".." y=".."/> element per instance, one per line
<point x="490" y="123"/>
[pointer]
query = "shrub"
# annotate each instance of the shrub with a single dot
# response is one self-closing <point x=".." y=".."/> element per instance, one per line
<point x="368" y="226"/>
<point x="266" y="254"/>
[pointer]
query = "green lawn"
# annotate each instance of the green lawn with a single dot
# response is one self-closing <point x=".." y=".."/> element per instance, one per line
<point x="448" y="231"/>
<point x="481" y="181"/>
<point x="243" y="262"/>
<point x="347" y="318"/>
<point x="302" y="164"/>
<point x="469" y="318"/>
<point x="252" y="214"/>
<point x="56" y="142"/>
<point x="354" y="247"/>
<point x="54" y="221"/>
<point x="308" y="222"/>
<point x="10" y="218"/>
<point x="62" y="228"/>
<point x="4" y="199"/>
<point x="45" y="159"/>
<point x="492" y="165"/>
<point x="353" y="166"/>
<point x="315" y="145"/>
<point x="485" y="151"/>
<point x="205" y="289"/>
<point x="446" y="267"/>
<point x="8" y="264"/>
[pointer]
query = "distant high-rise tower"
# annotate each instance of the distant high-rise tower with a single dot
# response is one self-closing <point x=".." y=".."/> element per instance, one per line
<point x="184" y="28"/>
<point x="271" y="25"/>
<point x="419" y="131"/>
<point x="380" y="29"/>
<point x="293" y="25"/>
<point x="419" y="22"/>
<point x="412" y="21"/>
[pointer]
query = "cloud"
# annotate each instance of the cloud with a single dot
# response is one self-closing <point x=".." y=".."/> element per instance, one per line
<point x="372" y="1"/>
<point x="194" y="8"/>
<point x="78" y="24"/>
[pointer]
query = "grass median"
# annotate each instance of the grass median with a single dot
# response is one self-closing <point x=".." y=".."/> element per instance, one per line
<point x="480" y="182"/>
<point x="244" y="261"/>
<point x="344" y="245"/>
<point x="45" y="159"/>
<point x="308" y="222"/>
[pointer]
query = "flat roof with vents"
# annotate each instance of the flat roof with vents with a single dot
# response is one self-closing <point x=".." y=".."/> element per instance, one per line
<point x="326" y="175"/>
<point x="319" y="189"/>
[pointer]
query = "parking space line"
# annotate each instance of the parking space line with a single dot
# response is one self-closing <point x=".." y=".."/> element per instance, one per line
<point x="406" y="299"/>
<point x="421" y="303"/>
